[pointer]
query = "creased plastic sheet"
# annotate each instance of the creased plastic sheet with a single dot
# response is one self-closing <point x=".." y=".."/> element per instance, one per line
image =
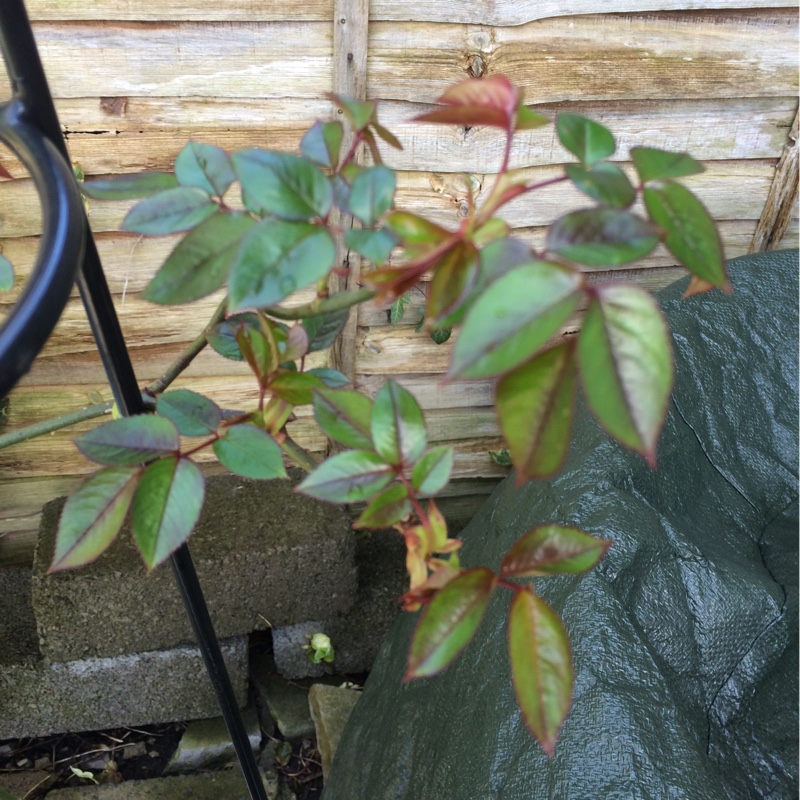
<point x="685" y="638"/>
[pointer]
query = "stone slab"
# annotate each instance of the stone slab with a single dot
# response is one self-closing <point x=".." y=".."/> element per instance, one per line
<point x="264" y="554"/>
<point x="206" y="744"/>
<point x="330" y="708"/>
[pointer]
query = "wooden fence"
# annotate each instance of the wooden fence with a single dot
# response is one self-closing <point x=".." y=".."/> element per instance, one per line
<point x="134" y="80"/>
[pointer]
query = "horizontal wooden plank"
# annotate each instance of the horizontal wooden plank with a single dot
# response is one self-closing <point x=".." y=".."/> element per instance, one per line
<point x="603" y="57"/>
<point x="479" y="12"/>
<point x="149" y="136"/>
<point x="610" y="56"/>
<point x="730" y="190"/>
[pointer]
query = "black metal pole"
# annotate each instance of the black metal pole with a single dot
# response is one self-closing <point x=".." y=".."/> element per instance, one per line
<point x="38" y="111"/>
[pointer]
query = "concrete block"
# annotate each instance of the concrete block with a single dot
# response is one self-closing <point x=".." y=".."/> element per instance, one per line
<point x="264" y="555"/>
<point x="39" y="697"/>
<point x="96" y="693"/>
<point x="356" y="634"/>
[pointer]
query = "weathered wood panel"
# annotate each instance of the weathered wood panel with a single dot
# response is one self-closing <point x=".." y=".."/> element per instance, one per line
<point x="728" y="190"/>
<point x="151" y="133"/>
<point x="479" y="12"/>
<point x="134" y="80"/>
<point x="609" y="57"/>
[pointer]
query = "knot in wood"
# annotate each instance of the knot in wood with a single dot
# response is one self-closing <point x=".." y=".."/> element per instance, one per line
<point x="476" y="65"/>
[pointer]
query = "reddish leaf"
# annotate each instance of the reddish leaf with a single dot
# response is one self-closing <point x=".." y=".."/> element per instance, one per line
<point x="541" y="666"/>
<point x="432" y="472"/>
<point x="454" y="278"/>
<point x="397" y="425"/>
<point x="625" y="361"/>
<point x="412" y="229"/>
<point x="479" y="101"/>
<point x="514" y="317"/>
<point x="448" y="624"/>
<point x="129" y="441"/>
<point x="348" y="477"/>
<point x="93" y="516"/>
<point x="295" y="387"/>
<point x="552" y="550"/>
<point x="344" y="415"/>
<point x="385" y="509"/>
<point x="534" y="408"/>
<point x="166" y="507"/>
<point x="697" y="286"/>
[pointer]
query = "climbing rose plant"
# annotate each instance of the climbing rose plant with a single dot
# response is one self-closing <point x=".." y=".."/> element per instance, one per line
<point x="508" y="301"/>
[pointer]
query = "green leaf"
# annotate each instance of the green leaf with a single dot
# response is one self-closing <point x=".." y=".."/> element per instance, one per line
<point x="129" y="441"/>
<point x="277" y="258"/>
<point x="692" y="236"/>
<point x="374" y="245"/>
<point x="604" y="182"/>
<point x="514" y="317"/>
<point x="602" y="237"/>
<point x="348" y="477"/>
<point x="322" y="142"/>
<point x="295" y="387"/>
<point x="398" y="426"/>
<point x="398" y="309"/>
<point x="359" y="113"/>
<point x="625" y="361"/>
<point x="93" y="516"/>
<point x="386" y="508"/>
<point x="282" y="184"/>
<point x="412" y="229"/>
<point x="588" y="140"/>
<point x="386" y="135"/>
<point x="323" y="329"/>
<point x="498" y="258"/>
<point x="191" y="413"/>
<point x="652" y="164"/>
<point x="260" y="351"/>
<point x="332" y="378"/>
<point x="528" y="120"/>
<point x="166" y="507"/>
<point x="534" y="408"/>
<point x="223" y="337"/>
<point x="541" y="666"/>
<point x="205" y="166"/>
<point x="344" y="415"/>
<point x="170" y="211"/>
<point x="6" y="275"/>
<point x="250" y="452"/>
<point x="201" y="261"/>
<point x="432" y="471"/>
<point x="372" y="193"/>
<point x="449" y="622"/>
<point x="455" y="275"/>
<point x="501" y="457"/>
<point x="553" y="550"/>
<point x="441" y="335"/>
<point x="130" y="187"/>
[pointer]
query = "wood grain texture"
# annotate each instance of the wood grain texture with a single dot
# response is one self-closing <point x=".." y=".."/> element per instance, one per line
<point x="730" y="189"/>
<point x="350" y="44"/>
<point x="479" y="12"/>
<point x="134" y="80"/>
<point x="153" y="132"/>
<point x="782" y="198"/>
<point x="601" y="57"/>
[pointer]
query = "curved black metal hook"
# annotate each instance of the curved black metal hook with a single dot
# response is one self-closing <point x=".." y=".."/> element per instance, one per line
<point x="36" y="312"/>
